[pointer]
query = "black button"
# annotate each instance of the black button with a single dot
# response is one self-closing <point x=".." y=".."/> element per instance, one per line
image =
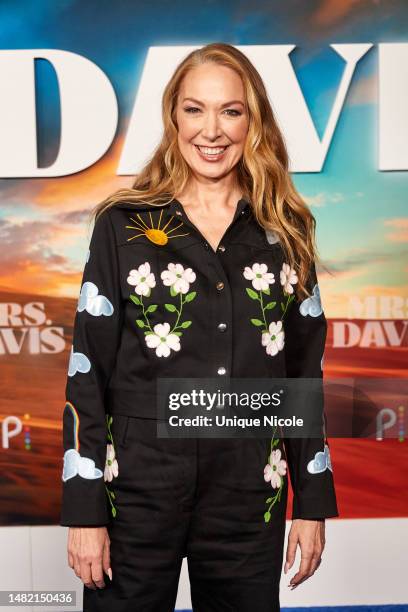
<point x="206" y="245"/>
<point x="222" y="326"/>
<point x="220" y="285"/>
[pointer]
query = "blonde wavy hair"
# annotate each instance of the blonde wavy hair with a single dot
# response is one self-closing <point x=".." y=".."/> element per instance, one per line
<point x="262" y="171"/>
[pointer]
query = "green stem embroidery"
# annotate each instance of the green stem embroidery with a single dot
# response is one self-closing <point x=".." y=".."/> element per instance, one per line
<point x="178" y="314"/>
<point x="110" y="493"/>
<point x="277" y="497"/>
<point x="146" y="318"/>
<point x="111" y="496"/>
<point x="109" y="419"/>
<point x="254" y="295"/>
<point x="145" y="323"/>
<point x="172" y="308"/>
<point x="263" y="311"/>
<point x="284" y="307"/>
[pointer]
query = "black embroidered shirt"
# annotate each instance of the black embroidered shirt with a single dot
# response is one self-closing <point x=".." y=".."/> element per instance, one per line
<point x="157" y="301"/>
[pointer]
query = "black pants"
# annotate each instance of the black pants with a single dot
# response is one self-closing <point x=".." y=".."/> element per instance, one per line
<point x="203" y="499"/>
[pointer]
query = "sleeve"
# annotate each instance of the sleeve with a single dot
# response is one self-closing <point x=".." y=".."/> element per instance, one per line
<point x="308" y="459"/>
<point x="96" y="336"/>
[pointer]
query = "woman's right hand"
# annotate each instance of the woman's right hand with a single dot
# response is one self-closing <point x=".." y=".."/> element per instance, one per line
<point x="89" y="554"/>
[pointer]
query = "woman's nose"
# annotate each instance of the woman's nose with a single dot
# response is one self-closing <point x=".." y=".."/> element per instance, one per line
<point x="211" y="128"/>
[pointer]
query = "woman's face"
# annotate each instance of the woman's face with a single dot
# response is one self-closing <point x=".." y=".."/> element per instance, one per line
<point x="212" y="120"/>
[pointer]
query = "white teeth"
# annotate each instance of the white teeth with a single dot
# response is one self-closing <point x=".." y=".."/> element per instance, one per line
<point x="211" y="150"/>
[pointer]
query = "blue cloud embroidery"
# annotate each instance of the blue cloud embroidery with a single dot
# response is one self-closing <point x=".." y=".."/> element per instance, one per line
<point x="78" y="362"/>
<point x="312" y="305"/>
<point x="94" y="304"/>
<point x="320" y="462"/>
<point x="83" y="466"/>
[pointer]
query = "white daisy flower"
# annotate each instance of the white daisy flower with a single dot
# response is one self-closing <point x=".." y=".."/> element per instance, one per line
<point x="178" y="277"/>
<point x="288" y="277"/>
<point x="259" y="275"/>
<point x="142" y="278"/>
<point x="111" y="465"/>
<point x="275" y="469"/>
<point x="274" y="339"/>
<point x="162" y="340"/>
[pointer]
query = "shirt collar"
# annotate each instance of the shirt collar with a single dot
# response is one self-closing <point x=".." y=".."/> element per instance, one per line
<point x="243" y="206"/>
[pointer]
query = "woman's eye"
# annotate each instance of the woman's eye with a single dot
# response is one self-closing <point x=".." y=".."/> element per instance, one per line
<point x="234" y="112"/>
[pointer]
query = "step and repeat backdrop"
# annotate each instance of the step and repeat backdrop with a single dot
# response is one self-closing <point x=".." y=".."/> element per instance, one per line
<point x="80" y="113"/>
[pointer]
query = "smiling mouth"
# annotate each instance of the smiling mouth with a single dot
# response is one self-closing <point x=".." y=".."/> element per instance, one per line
<point x="211" y="151"/>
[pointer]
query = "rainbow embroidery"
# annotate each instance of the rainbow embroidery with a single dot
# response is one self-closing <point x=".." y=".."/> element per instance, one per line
<point x="75" y="416"/>
<point x="74" y="464"/>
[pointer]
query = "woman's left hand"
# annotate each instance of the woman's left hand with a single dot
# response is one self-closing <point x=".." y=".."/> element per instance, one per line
<point x="310" y="535"/>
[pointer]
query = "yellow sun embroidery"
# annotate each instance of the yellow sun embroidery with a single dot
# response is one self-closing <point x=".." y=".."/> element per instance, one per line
<point x="157" y="235"/>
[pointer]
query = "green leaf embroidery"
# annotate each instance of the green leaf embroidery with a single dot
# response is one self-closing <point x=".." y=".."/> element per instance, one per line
<point x="190" y="296"/>
<point x="151" y="308"/>
<point x="257" y="322"/>
<point x="252" y="294"/>
<point x="178" y="325"/>
<point x="170" y="307"/>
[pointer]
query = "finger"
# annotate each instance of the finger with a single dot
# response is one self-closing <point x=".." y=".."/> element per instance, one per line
<point x="70" y="550"/>
<point x="97" y="574"/>
<point x="299" y="582"/>
<point x="318" y="563"/>
<point x="106" y="560"/>
<point x="86" y="575"/>
<point x="290" y="552"/>
<point x="70" y="560"/>
<point x="312" y="567"/>
<point x="302" y="577"/>
<point x="304" y="568"/>
<point x="316" y="560"/>
<point x="77" y="565"/>
<point x="317" y="552"/>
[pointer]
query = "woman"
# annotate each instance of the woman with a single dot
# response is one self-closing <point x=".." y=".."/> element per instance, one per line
<point x="205" y="268"/>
